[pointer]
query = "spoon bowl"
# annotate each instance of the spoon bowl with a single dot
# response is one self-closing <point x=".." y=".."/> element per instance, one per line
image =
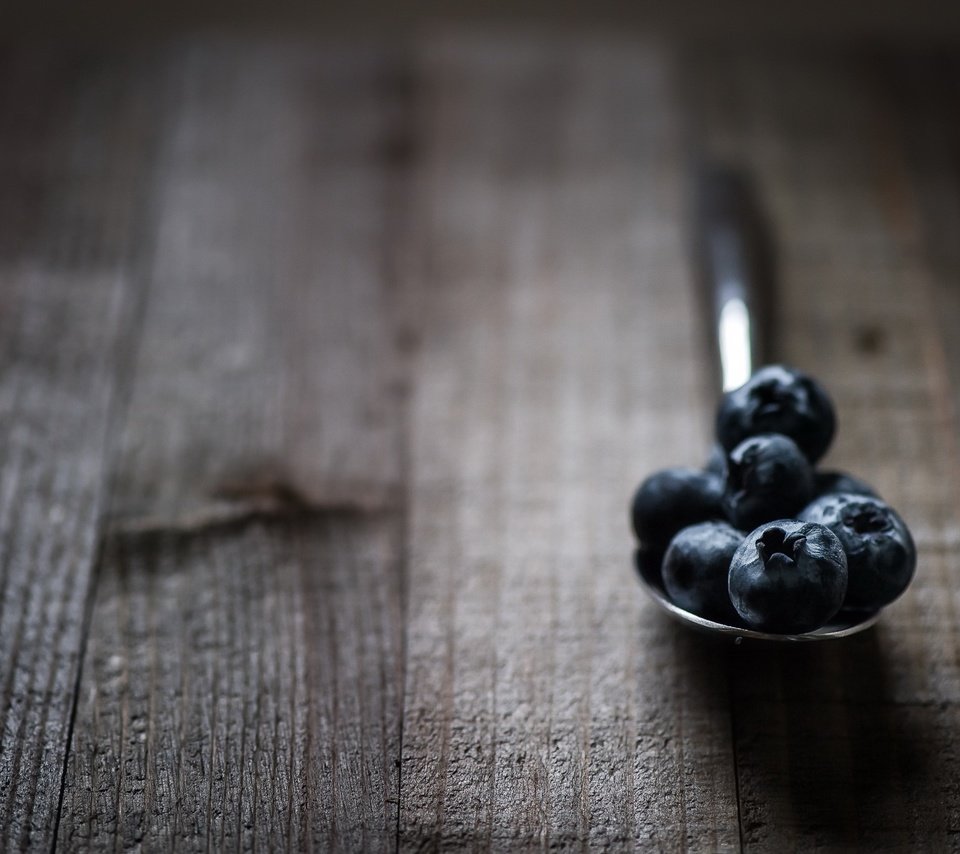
<point x="845" y="623"/>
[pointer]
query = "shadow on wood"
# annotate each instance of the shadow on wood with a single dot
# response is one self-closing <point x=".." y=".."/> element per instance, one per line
<point x="821" y="748"/>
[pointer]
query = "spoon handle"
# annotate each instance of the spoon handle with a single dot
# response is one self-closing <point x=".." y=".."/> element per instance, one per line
<point x="736" y="268"/>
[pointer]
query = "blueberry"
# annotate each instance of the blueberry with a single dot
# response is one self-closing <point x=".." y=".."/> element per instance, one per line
<point x="778" y="399"/>
<point x="648" y="563"/>
<point x="830" y="482"/>
<point x="695" y="569"/>
<point x="881" y="555"/>
<point x="788" y="577"/>
<point x="767" y="478"/>
<point x="672" y="499"/>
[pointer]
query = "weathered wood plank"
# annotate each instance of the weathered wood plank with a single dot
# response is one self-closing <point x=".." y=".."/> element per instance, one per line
<point x="240" y="690"/>
<point x="923" y="89"/>
<point x="76" y="155"/>
<point x="546" y="704"/>
<point x="242" y="682"/>
<point x="854" y="745"/>
<point x="267" y="292"/>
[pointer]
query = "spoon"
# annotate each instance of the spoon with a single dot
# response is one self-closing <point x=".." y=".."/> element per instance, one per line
<point x="736" y="270"/>
<point x="846" y="622"/>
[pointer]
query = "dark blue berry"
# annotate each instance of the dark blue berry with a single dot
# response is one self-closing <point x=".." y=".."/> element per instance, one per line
<point x="788" y="577"/>
<point x="831" y="482"/>
<point x="648" y="564"/>
<point x="672" y="499"/>
<point x="695" y="569"/>
<point x="778" y="399"/>
<point x="881" y="555"/>
<point x="767" y="478"/>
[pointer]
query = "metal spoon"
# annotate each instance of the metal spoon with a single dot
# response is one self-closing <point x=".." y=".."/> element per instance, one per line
<point x="735" y="257"/>
<point x="846" y="622"/>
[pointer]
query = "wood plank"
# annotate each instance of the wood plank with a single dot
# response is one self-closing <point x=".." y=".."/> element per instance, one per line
<point x="852" y="746"/>
<point x="242" y="683"/>
<point x="76" y="155"/>
<point x="240" y="690"/>
<point x="547" y="704"/>
<point x="259" y="374"/>
<point x="923" y="89"/>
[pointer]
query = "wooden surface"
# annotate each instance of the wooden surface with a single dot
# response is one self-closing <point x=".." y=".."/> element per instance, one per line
<point x="327" y="374"/>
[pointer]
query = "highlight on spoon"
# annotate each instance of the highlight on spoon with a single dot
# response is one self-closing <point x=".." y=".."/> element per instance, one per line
<point x="734" y="341"/>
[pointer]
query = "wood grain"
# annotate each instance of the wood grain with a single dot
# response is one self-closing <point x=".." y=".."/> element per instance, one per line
<point x="922" y="90"/>
<point x="546" y="704"/>
<point x="242" y="682"/>
<point x="260" y="379"/>
<point x="75" y="156"/>
<point x="328" y="616"/>
<point x="849" y="746"/>
<point x="240" y="690"/>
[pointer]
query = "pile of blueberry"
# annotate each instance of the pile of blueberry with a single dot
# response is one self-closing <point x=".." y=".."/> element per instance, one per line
<point x="759" y="538"/>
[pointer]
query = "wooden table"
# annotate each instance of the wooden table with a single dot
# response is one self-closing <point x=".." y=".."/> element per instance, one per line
<point x="327" y="374"/>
